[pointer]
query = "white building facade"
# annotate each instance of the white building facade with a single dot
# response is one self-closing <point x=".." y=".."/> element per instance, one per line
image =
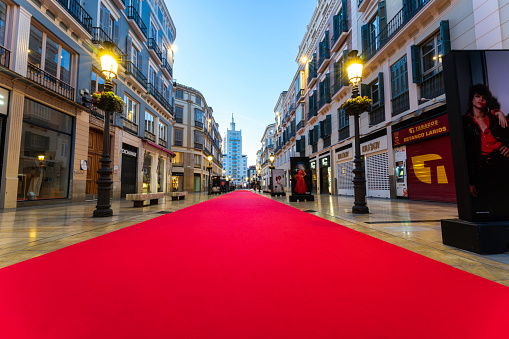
<point x="234" y="163"/>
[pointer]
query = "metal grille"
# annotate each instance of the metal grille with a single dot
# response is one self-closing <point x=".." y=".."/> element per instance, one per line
<point x="345" y="176"/>
<point x="377" y="170"/>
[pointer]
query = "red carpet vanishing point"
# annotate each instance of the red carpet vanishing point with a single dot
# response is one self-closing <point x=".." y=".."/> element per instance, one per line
<point x="244" y="266"/>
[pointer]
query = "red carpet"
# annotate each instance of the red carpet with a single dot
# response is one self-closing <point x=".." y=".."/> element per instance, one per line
<point x="244" y="266"/>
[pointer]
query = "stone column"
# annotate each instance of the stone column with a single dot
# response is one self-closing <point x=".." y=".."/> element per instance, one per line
<point x="9" y="187"/>
<point x="21" y="39"/>
<point x="79" y="182"/>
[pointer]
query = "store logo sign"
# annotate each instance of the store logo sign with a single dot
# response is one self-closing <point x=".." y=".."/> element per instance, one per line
<point x="423" y="173"/>
<point x="128" y="152"/>
<point x="343" y="155"/>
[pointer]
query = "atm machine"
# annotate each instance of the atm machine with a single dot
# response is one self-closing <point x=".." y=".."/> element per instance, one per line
<point x="400" y="174"/>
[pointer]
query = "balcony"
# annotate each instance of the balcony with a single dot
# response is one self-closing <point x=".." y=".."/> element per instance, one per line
<point x="198" y="124"/>
<point x="198" y="145"/>
<point x="393" y="27"/>
<point x="50" y="82"/>
<point x="300" y="125"/>
<point x="400" y="103"/>
<point x="326" y="142"/>
<point x="120" y="4"/>
<point x="5" y="57"/>
<point x="154" y="51"/>
<point x="99" y="37"/>
<point x="177" y="143"/>
<point x="73" y="7"/>
<point x="291" y="110"/>
<point x="299" y="95"/>
<point x="324" y="101"/>
<point x="344" y="133"/>
<point x="131" y="71"/>
<point x="159" y="99"/>
<point x="130" y="127"/>
<point x="314" y="148"/>
<point x="323" y="61"/>
<point x="312" y="75"/>
<point x="150" y="136"/>
<point x="136" y="23"/>
<point x="377" y="114"/>
<point x="337" y="86"/>
<point x="311" y="113"/>
<point x="432" y="87"/>
<point x="163" y="143"/>
<point x="339" y="36"/>
<point x="166" y="68"/>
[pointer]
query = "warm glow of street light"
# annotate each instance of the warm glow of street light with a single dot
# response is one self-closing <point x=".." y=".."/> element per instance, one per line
<point x="109" y="65"/>
<point x="304" y="59"/>
<point x="209" y="158"/>
<point x="271" y="158"/>
<point x="41" y="157"/>
<point x="354" y="68"/>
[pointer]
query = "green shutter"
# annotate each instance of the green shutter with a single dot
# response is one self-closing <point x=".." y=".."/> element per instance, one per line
<point x="446" y="37"/>
<point x="365" y="91"/>
<point x="328" y="125"/>
<point x="320" y="49"/>
<point x="303" y="143"/>
<point x="326" y="41"/>
<point x="364" y="37"/>
<point x="344" y="17"/>
<point x="344" y="60"/>
<point x="310" y="137"/>
<point x="327" y="84"/>
<point x="316" y="133"/>
<point x="337" y="72"/>
<point x="382" y="17"/>
<point x="297" y="146"/>
<point x="381" y="87"/>
<point x="335" y="26"/>
<point x="415" y="50"/>
<point x="322" y="129"/>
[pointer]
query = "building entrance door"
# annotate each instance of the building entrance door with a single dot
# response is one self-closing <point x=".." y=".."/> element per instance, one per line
<point x="128" y="177"/>
<point x="197" y="182"/>
<point x="95" y="146"/>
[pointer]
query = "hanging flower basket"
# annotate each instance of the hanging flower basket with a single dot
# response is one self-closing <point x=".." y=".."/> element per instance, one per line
<point x="357" y="105"/>
<point x="108" y="101"/>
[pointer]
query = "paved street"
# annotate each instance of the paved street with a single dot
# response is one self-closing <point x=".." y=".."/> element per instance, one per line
<point x="30" y="232"/>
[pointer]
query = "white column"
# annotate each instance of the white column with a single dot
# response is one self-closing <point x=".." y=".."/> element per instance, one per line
<point x="21" y="38"/>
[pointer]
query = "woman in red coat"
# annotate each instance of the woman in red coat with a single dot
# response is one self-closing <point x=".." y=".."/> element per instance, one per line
<point x="300" y="187"/>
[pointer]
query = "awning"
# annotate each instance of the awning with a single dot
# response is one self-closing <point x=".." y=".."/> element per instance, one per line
<point x="161" y="148"/>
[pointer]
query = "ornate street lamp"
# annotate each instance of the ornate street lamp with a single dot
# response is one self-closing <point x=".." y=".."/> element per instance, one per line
<point x="224" y="173"/>
<point x="354" y="70"/>
<point x="209" y="168"/>
<point x="109" y="66"/>
<point x="271" y="167"/>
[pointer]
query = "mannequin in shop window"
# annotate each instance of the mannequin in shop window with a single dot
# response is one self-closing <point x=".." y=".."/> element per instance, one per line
<point x="35" y="178"/>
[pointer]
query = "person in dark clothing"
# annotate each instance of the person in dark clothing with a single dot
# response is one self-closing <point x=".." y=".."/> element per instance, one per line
<point x="487" y="145"/>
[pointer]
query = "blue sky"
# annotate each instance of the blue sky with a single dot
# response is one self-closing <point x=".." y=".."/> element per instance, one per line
<point x="240" y="55"/>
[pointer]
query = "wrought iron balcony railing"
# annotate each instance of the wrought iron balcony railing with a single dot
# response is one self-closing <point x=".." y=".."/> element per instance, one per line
<point x="432" y="86"/>
<point x="408" y="11"/>
<point x="324" y="99"/>
<point x="50" y="82"/>
<point x="177" y="143"/>
<point x="377" y="114"/>
<point x="300" y="125"/>
<point x="312" y="72"/>
<point x="323" y="56"/>
<point x="163" y="143"/>
<point x="135" y="72"/>
<point x="400" y="103"/>
<point x="167" y="66"/>
<point x="155" y="93"/>
<point x="342" y="27"/>
<point x="311" y="113"/>
<point x="132" y="14"/>
<point x="338" y="84"/>
<point x="198" y="123"/>
<point x="344" y="133"/>
<point x="77" y="12"/>
<point x="99" y="37"/>
<point x="152" y="44"/>
<point x="5" y="57"/>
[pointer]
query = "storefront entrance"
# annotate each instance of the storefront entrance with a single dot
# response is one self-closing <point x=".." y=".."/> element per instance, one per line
<point x="128" y="177"/>
<point x="325" y="176"/>
<point x="197" y="182"/>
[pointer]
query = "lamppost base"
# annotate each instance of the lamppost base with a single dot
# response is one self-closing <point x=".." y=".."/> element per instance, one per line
<point x="103" y="213"/>
<point x="360" y="209"/>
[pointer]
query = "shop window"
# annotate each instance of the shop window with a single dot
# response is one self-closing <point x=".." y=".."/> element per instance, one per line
<point x="160" y="175"/>
<point x="45" y="153"/>
<point x="147" y="173"/>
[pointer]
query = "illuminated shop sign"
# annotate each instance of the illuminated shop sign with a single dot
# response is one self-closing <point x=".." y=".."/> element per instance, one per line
<point x="424" y="130"/>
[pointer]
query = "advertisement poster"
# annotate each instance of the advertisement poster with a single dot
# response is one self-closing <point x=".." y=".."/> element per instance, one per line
<point x="216" y="184"/>
<point x="477" y="103"/>
<point x="300" y="176"/>
<point x="278" y="180"/>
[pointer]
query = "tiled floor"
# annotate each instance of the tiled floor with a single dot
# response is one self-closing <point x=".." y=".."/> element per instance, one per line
<point x="31" y="232"/>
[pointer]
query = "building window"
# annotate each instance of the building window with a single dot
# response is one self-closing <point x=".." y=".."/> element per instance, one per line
<point x="179" y="94"/>
<point x="198" y="117"/>
<point x="197" y="160"/>
<point x="431" y="52"/>
<point x="131" y="109"/>
<point x="178" y="136"/>
<point x="399" y="77"/>
<point x="57" y="60"/>
<point x="373" y="31"/>
<point x="3" y="15"/>
<point x="163" y="131"/>
<point x="44" y="163"/>
<point x="149" y="122"/>
<point x="178" y="159"/>
<point x="179" y="114"/>
<point x="374" y="92"/>
<point x="198" y="100"/>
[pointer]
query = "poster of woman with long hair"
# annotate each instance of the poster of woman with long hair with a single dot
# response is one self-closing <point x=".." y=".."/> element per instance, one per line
<point x="301" y="176"/>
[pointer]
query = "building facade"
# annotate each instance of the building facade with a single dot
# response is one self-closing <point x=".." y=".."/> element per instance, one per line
<point x="401" y="45"/>
<point x="195" y="137"/>
<point x="51" y="136"/>
<point x="234" y="163"/>
<point x="266" y="150"/>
